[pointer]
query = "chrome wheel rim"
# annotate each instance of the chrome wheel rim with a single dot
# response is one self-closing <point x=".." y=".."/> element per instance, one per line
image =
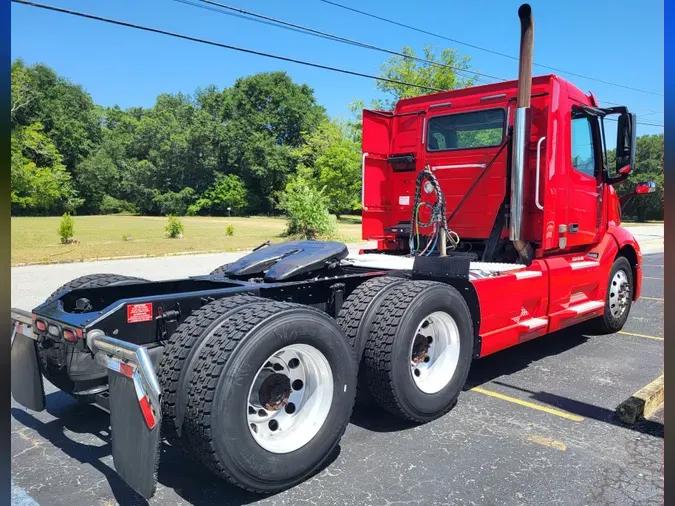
<point x="290" y="398"/>
<point x="434" y="352"/>
<point x="619" y="294"/>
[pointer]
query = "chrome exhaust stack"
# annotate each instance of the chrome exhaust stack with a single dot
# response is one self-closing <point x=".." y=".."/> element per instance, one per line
<point x="520" y="132"/>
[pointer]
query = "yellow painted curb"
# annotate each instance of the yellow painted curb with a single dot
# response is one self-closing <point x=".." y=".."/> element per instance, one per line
<point x="642" y="403"/>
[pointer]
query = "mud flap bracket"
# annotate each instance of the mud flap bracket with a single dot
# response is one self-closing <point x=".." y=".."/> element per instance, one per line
<point x="135" y="410"/>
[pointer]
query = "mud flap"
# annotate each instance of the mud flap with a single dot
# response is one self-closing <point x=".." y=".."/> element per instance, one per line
<point x="135" y="410"/>
<point x="27" y="386"/>
<point x="135" y="446"/>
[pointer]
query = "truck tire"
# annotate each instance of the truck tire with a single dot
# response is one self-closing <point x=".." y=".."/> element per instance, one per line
<point x="356" y="320"/>
<point x="619" y="298"/>
<point x="251" y="383"/>
<point x="419" y="350"/>
<point x="177" y="365"/>
<point x="220" y="271"/>
<point x="96" y="280"/>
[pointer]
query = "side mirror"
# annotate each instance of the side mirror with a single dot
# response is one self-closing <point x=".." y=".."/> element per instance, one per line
<point x="625" y="144"/>
<point x="642" y="188"/>
<point x="645" y="187"/>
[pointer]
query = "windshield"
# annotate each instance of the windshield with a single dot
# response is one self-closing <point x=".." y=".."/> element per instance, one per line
<point x="477" y="129"/>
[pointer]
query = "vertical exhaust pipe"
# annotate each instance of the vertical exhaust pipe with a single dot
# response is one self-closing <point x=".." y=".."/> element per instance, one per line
<point x="520" y="132"/>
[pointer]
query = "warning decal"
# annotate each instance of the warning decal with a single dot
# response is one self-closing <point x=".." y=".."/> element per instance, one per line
<point x="404" y="200"/>
<point x="139" y="312"/>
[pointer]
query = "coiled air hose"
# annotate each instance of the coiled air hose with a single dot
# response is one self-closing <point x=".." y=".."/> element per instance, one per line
<point x="437" y="220"/>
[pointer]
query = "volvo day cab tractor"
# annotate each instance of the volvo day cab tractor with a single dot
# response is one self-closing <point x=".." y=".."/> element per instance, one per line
<point x="496" y="221"/>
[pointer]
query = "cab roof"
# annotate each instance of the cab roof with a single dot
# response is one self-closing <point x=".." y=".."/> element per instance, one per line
<point x="505" y="90"/>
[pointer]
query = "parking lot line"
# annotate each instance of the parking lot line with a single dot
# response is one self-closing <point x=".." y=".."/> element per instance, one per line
<point x="660" y="299"/>
<point x="652" y="265"/>
<point x="639" y="335"/>
<point x="545" y="441"/>
<point x="538" y="407"/>
<point x="647" y="277"/>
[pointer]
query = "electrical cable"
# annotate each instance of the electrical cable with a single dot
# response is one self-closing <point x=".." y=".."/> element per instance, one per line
<point x="235" y="48"/>
<point x="280" y="23"/>
<point x="218" y="44"/>
<point x="555" y="69"/>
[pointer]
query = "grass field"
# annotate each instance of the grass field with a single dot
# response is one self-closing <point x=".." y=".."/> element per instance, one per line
<point x="37" y="239"/>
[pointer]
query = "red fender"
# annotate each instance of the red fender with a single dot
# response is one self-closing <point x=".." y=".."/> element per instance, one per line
<point x="630" y="248"/>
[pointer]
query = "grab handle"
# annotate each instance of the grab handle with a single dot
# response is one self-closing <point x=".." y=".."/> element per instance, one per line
<point x="536" y="185"/>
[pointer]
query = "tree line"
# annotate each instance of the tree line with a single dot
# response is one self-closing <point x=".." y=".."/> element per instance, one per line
<point x="254" y="148"/>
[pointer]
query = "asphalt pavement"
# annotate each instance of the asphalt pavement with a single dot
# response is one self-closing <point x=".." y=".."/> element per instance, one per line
<point x="535" y="425"/>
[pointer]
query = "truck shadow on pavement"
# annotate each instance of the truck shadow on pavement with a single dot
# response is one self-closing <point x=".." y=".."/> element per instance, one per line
<point x="482" y="371"/>
<point x="511" y="361"/>
<point x="185" y="476"/>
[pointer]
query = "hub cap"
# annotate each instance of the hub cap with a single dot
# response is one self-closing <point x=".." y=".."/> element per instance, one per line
<point x="290" y="398"/>
<point x="619" y="294"/>
<point x="434" y="352"/>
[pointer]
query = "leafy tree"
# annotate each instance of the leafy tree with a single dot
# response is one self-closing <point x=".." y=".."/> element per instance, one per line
<point x="111" y="205"/>
<point x="174" y="228"/>
<point x="40" y="182"/>
<point x="446" y="75"/>
<point x="227" y="192"/>
<point x="339" y="171"/>
<point x="22" y="91"/>
<point x="171" y="203"/>
<point x="66" y="228"/>
<point x="648" y="167"/>
<point x="67" y="113"/>
<point x="306" y="208"/>
<point x="331" y="159"/>
<point x="264" y="117"/>
<point x="419" y="73"/>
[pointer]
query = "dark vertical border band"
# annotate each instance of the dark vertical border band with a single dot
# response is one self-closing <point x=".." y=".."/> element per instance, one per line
<point x="669" y="239"/>
<point x="5" y="245"/>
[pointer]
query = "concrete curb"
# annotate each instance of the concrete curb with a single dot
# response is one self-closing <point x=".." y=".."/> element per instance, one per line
<point x="642" y="403"/>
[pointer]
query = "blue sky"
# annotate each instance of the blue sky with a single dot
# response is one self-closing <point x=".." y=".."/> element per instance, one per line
<point x="619" y="41"/>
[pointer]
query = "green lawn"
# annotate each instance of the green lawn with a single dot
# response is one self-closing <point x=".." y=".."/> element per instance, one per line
<point x="637" y="223"/>
<point x="37" y="239"/>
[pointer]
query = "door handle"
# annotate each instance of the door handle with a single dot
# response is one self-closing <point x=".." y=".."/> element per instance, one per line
<point x="574" y="227"/>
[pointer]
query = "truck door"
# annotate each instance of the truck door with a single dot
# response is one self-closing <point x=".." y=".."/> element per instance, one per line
<point x="584" y="213"/>
<point x="375" y="184"/>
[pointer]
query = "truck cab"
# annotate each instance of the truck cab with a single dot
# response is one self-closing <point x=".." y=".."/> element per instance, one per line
<point x="562" y="204"/>
<point x="568" y="199"/>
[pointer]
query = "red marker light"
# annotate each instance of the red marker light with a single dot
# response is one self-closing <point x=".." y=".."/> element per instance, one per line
<point x="69" y="335"/>
<point x="41" y="326"/>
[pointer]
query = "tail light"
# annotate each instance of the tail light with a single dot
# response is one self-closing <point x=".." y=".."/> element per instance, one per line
<point x="69" y="335"/>
<point x="41" y="325"/>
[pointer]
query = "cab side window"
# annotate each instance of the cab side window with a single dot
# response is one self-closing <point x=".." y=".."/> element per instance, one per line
<point x="583" y="154"/>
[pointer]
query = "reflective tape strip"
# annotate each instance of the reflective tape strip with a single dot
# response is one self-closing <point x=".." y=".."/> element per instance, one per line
<point x="148" y="414"/>
<point x="144" y="402"/>
<point x="120" y="367"/>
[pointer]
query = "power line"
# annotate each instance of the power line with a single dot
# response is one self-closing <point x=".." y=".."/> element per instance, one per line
<point x="228" y="46"/>
<point x="219" y="44"/>
<point x="651" y="111"/>
<point x="280" y="23"/>
<point x="639" y="123"/>
<point x="555" y="69"/>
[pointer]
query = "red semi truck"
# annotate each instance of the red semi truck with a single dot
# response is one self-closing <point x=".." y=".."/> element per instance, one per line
<point x="496" y="221"/>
